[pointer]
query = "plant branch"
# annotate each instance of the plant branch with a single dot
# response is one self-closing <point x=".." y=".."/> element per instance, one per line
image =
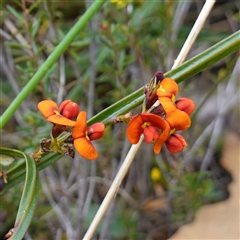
<point x="50" y="61"/>
<point x="194" y="32"/>
<point x="134" y="149"/>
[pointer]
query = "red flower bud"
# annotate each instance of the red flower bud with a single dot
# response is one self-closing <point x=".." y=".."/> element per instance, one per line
<point x="175" y="143"/>
<point x="69" y="109"/>
<point x="185" y="104"/>
<point x="95" y="131"/>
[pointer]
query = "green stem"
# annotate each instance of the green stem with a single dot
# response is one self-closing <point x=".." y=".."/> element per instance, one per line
<point x="29" y="196"/>
<point x="206" y="58"/>
<point x="81" y="23"/>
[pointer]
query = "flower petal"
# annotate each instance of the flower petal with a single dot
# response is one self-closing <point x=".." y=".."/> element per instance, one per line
<point x="63" y="104"/>
<point x="162" y="139"/>
<point x="185" y="104"/>
<point x="96" y="131"/>
<point x="161" y="93"/>
<point x="175" y="143"/>
<point x="169" y="85"/>
<point x="47" y="108"/>
<point x="168" y="104"/>
<point x="134" y="129"/>
<point x="150" y="134"/>
<point x="61" y="120"/>
<point x="181" y="138"/>
<point x="69" y="109"/>
<point x="85" y="148"/>
<point x="80" y="127"/>
<point x="178" y="119"/>
<point x="155" y="120"/>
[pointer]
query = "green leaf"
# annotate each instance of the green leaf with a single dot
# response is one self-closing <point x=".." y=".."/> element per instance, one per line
<point x="16" y="174"/>
<point x="29" y="197"/>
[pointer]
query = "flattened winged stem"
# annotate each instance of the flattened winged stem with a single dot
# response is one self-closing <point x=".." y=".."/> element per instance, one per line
<point x="29" y="196"/>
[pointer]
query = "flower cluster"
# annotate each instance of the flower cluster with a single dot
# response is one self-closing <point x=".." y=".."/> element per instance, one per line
<point x="161" y="118"/>
<point x="159" y="123"/>
<point x="66" y="131"/>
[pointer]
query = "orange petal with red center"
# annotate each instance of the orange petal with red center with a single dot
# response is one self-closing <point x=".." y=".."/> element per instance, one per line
<point x="185" y="104"/>
<point x="176" y="143"/>
<point x="162" y="139"/>
<point x="80" y="127"/>
<point x="96" y="131"/>
<point x="85" y="148"/>
<point x="150" y="134"/>
<point x="47" y="108"/>
<point x="69" y="109"/>
<point x="155" y="120"/>
<point x="169" y="85"/>
<point x="178" y="119"/>
<point x="61" y="120"/>
<point x="167" y="104"/>
<point x="134" y="129"/>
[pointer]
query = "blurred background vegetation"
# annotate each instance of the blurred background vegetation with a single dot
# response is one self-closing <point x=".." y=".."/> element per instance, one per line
<point x="119" y="51"/>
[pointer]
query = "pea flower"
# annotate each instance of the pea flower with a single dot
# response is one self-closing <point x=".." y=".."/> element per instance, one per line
<point x="83" y="136"/>
<point x="168" y="88"/>
<point x="185" y="104"/>
<point x="175" y="143"/>
<point x="61" y="115"/>
<point x="153" y="127"/>
<point x="177" y="119"/>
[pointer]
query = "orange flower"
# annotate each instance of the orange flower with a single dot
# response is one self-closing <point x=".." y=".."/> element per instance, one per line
<point x="50" y="111"/>
<point x="154" y="129"/>
<point x="83" y="135"/>
<point x="177" y="119"/>
<point x="168" y="88"/>
<point x="175" y="143"/>
<point x="185" y="104"/>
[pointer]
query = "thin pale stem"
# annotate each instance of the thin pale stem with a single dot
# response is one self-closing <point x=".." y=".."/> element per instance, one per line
<point x="113" y="189"/>
<point x="194" y="33"/>
<point x="134" y="149"/>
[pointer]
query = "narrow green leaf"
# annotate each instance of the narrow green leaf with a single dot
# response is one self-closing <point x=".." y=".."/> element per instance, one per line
<point x="29" y="196"/>
<point x="16" y="174"/>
